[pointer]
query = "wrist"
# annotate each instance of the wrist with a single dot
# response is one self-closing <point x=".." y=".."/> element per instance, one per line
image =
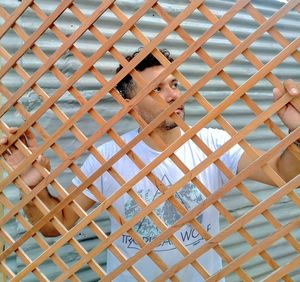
<point x="297" y="142"/>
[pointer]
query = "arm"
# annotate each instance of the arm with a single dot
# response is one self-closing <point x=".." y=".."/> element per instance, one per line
<point x="32" y="177"/>
<point x="287" y="165"/>
<point x="67" y="216"/>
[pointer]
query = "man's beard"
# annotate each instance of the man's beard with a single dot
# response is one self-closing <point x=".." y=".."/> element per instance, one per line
<point x="170" y="124"/>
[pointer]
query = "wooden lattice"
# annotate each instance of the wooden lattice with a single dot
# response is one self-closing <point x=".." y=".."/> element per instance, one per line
<point x="49" y="141"/>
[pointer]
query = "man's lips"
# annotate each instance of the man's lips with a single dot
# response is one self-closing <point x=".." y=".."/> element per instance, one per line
<point x="179" y="110"/>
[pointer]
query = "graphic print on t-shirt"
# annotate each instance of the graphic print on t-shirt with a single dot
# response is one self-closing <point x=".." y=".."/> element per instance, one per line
<point x="189" y="196"/>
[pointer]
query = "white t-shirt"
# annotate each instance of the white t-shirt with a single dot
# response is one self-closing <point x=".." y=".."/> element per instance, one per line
<point x="189" y="195"/>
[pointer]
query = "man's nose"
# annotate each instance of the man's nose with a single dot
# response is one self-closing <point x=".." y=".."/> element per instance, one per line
<point x="172" y="94"/>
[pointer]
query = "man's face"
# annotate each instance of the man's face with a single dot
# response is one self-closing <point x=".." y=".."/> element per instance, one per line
<point x="168" y="90"/>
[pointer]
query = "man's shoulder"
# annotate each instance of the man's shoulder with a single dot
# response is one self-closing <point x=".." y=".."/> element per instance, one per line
<point x="112" y="146"/>
<point x="212" y="133"/>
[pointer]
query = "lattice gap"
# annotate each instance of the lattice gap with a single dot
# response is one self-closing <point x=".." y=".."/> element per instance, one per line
<point x="66" y="91"/>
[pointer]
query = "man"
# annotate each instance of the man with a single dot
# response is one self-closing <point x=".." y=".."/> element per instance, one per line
<point x="286" y="165"/>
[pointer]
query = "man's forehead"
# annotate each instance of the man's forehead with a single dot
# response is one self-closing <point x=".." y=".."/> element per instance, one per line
<point x="154" y="72"/>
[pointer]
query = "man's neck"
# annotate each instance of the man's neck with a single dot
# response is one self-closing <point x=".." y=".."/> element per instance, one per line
<point x="161" y="138"/>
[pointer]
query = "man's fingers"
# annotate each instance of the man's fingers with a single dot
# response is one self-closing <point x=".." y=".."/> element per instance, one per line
<point x="3" y="140"/>
<point x="12" y="130"/>
<point x="43" y="161"/>
<point x="27" y="138"/>
<point x="30" y="139"/>
<point x="277" y="94"/>
<point x="292" y="87"/>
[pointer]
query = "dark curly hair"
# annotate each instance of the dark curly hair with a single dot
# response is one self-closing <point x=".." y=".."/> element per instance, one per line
<point x="126" y="85"/>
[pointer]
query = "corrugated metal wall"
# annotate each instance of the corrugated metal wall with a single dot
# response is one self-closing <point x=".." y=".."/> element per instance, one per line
<point x="238" y="114"/>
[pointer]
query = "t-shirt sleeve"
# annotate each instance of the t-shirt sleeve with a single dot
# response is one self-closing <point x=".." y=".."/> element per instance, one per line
<point x="89" y="166"/>
<point x="230" y="158"/>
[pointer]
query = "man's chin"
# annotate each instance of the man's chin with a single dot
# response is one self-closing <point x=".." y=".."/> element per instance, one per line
<point x="168" y="125"/>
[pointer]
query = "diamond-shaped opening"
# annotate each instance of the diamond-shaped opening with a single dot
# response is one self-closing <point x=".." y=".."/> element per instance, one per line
<point x="265" y="134"/>
<point x="259" y="227"/>
<point x="193" y="67"/>
<point x="128" y="8"/>
<point x="282" y="251"/>
<point x="174" y="10"/>
<point x="12" y="81"/>
<point x="128" y="43"/>
<point x="101" y="259"/>
<point x="68" y="64"/>
<point x="84" y="7"/>
<point x="240" y="70"/>
<point x="32" y="249"/>
<point x="258" y="268"/>
<point x="106" y="65"/>
<point x="195" y="24"/>
<point x="64" y="179"/>
<point x="46" y="8"/>
<point x="87" y="125"/>
<point x="151" y="24"/>
<point x="9" y="262"/>
<point x="31" y="101"/>
<point x="88" y="85"/>
<point x="285" y="210"/>
<point x="265" y="48"/>
<point x="235" y="245"/>
<point x="267" y="8"/>
<point x="69" y="254"/>
<point x="12" y="226"/>
<point x="43" y="42"/>
<point x="193" y="111"/>
<point x="12" y="118"/>
<point x="233" y="276"/>
<point x="18" y="265"/>
<point x="107" y="24"/>
<point x="50" y="269"/>
<point x="287" y="69"/>
<point x="87" y="271"/>
<point x="50" y="122"/>
<point x="214" y="91"/>
<point x="237" y="109"/>
<point x="9" y="37"/>
<point x="217" y="46"/>
<point x="217" y="9"/>
<point x="30" y="62"/>
<point x="66" y="142"/>
<point x="70" y="103"/>
<point x="242" y="31"/>
<point x="88" y="239"/>
<point x="235" y="202"/>
<point x="286" y="27"/>
<point x="67" y="23"/>
<point x="29" y="21"/>
<point x="10" y="7"/>
<point x="48" y="82"/>
<point x="9" y="196"/>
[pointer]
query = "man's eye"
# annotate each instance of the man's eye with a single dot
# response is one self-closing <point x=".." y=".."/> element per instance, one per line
<point x="175" y="85"/>
<point x="157" y="89"/>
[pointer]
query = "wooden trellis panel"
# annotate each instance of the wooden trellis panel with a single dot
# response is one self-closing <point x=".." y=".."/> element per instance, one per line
<point x="68" y="124"/>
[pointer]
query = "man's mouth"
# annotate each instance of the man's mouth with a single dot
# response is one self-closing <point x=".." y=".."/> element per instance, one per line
<point x="179" y="110"/>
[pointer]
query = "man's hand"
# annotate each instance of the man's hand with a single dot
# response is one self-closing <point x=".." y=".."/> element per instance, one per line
<point x="289" y="115"/>
<point x="14" y="157"/>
